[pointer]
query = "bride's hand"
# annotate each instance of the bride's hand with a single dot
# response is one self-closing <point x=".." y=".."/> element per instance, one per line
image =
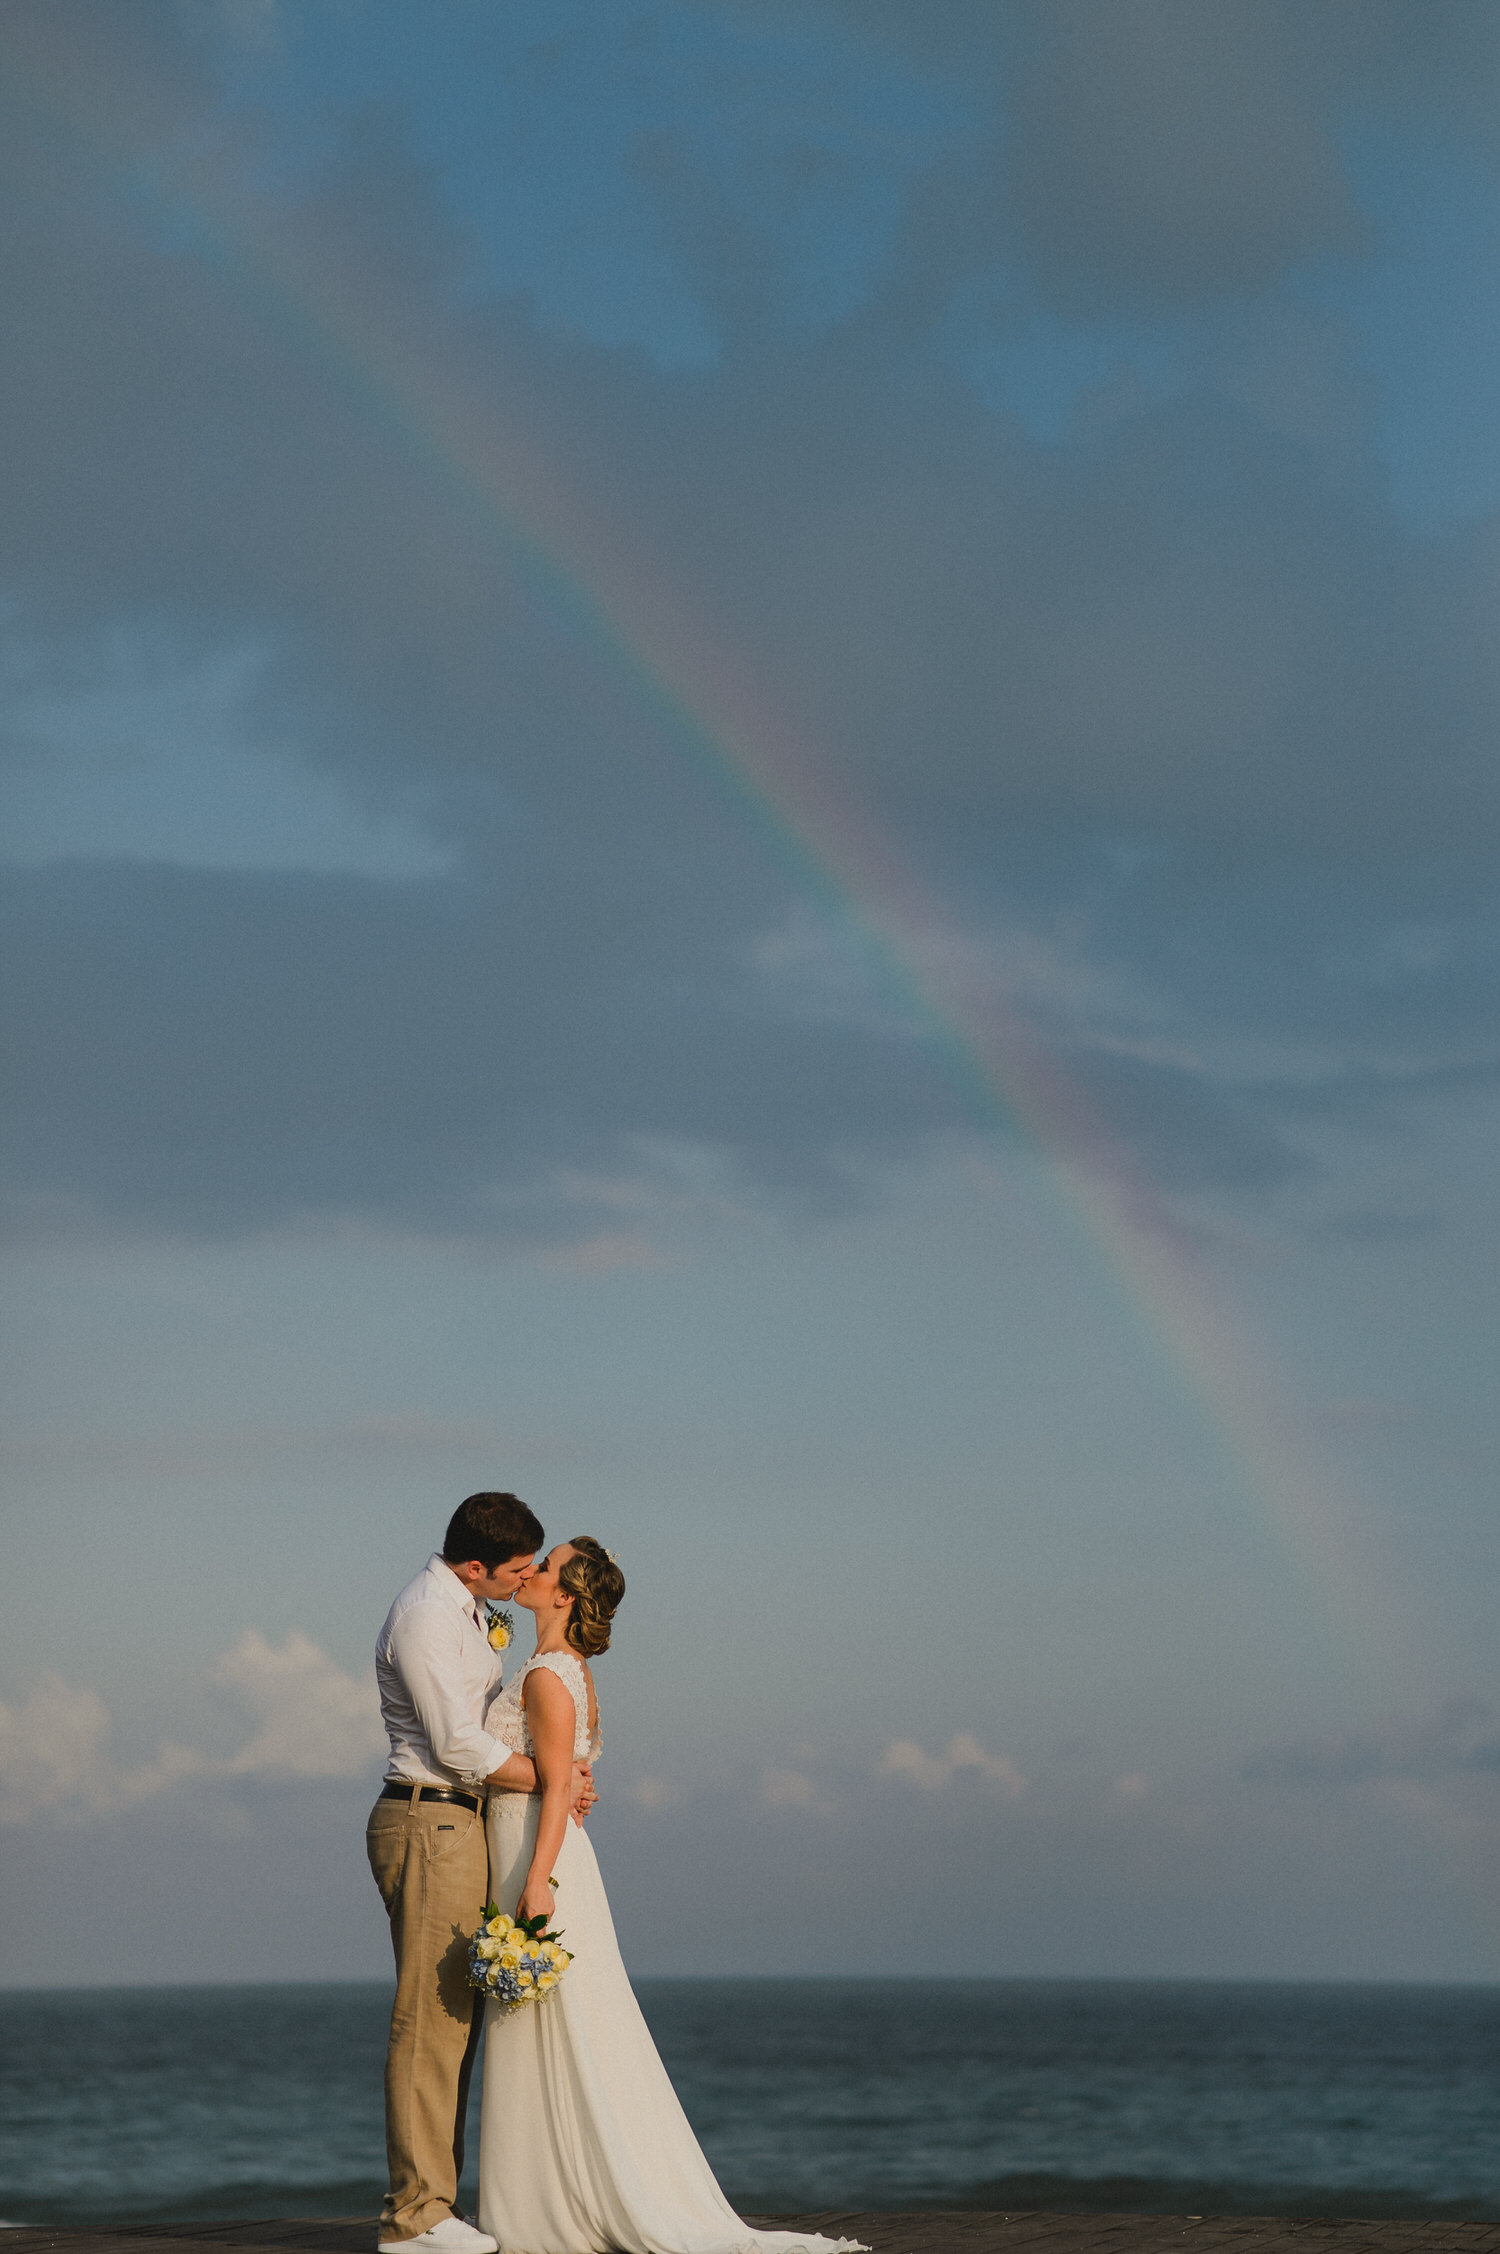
<point x="584" y="1794"/>
<point x="537" y="1901"/>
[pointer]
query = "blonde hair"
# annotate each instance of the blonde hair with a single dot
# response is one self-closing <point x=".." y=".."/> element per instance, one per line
<point x="596" y="1585"/>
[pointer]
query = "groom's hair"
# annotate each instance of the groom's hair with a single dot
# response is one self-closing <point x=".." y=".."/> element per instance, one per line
<point x="491" y="1529"/>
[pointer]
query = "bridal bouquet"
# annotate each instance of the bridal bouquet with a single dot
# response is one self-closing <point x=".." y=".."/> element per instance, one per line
<point x="515" y="1964"/>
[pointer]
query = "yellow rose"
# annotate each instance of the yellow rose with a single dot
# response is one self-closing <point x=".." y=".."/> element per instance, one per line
<point x="524" y="1979"/>
<point x="497" y="1925"/>
<point x="509" y="1959"/>
<point x="499" y="1636"/>
<point x="547" y="1980"/>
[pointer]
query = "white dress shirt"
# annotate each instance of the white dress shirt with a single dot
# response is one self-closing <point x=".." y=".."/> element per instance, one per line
<point x="437" y="1673"/>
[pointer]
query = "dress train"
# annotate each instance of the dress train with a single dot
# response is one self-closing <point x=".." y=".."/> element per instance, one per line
<point x="584" y="2147"/>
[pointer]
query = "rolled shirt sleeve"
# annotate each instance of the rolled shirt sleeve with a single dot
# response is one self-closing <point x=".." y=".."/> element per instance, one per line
<point x="427" y="1647"/>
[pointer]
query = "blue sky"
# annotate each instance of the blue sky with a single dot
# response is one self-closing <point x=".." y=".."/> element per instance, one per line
<point x="1077" y="420"/>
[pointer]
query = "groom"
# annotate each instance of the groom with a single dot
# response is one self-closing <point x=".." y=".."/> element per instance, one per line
<point x="437" y="1673"/>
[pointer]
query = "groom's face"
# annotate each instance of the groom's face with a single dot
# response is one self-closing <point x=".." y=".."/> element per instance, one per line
<point x="502" y="1581"/>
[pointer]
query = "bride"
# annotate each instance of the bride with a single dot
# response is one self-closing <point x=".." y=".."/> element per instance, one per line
<point x="583" y="2145"/>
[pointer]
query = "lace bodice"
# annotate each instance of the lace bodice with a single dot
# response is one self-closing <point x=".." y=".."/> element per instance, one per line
<point x="506" y="1716"/>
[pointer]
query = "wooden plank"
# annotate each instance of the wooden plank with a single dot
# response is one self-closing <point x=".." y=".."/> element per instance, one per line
<point x="957" y="2231"/>
<point x="974" y="2232"/>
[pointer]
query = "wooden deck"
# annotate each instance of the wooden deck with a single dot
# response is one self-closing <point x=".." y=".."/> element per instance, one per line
<point x="961" y="2231"/>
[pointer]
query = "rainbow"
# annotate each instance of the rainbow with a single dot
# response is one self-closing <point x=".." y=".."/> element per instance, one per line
<point x="449" y="421"/>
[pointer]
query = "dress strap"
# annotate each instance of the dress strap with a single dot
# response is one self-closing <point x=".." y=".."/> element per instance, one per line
<point x="573" y="1675"/>
<point x="555" y="1661"/>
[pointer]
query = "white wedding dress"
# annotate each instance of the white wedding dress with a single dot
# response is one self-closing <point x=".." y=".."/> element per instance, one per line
<point x="584" y="2148"/>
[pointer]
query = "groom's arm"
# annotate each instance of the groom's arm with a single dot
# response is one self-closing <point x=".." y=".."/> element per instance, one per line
<point x="518" y="1774"/>
<point x="428" y="1653"/>
<point x="427" y="1649"/>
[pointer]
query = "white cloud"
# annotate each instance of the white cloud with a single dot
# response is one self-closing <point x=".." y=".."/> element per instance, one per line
<point x="54" y="1757"/>
<point x="966" y="1757"/>
<point x="787" y="1788"/>
<point x="308" y="1719"/>
<point x="652" y="1792"/>
<point x="611" y="1248"/>
<point x="312" y="1720"/>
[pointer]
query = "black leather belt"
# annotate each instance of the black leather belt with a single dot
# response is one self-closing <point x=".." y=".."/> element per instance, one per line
<point x="467" y="1800"/>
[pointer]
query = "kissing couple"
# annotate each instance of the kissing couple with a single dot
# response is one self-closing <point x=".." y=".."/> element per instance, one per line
<point x="584" y="2148"/>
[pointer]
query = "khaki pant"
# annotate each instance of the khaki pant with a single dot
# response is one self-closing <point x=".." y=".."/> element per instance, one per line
<point x="432" y="1868"/>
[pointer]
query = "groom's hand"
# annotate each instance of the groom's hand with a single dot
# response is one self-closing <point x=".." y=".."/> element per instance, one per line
<point x="584" y="1794"/>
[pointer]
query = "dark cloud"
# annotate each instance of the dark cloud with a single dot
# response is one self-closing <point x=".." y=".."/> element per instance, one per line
<point x="1182" y="1128"/>
<point x="1373" y="1228"/>
<point x="1463" y="1738"/>
<point x="1195" y="628"/>
<point x="1191" y="632"/>
<point x="1163" y="150"/>
<point x="1154" y="153"/>
<point x="216" y="1052"/>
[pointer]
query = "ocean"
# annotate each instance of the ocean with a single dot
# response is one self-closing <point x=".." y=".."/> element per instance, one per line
<point x="1173" y="2097"/>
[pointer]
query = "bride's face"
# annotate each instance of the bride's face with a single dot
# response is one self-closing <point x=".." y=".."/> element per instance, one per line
<point x="542" y="1592"/>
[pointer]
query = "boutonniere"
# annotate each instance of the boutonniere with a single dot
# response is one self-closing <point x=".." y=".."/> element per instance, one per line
<point x="498" y="1626"/>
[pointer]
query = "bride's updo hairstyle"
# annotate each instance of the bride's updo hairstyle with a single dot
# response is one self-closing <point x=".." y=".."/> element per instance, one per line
<point x="596" y="1585"/>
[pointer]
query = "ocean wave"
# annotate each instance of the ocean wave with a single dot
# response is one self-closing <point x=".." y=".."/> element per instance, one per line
<point x="1147" y="2195"/>
<point x="245" y="2200"/>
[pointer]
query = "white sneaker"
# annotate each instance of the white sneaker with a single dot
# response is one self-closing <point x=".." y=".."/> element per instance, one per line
<point x="451" y="2236"/>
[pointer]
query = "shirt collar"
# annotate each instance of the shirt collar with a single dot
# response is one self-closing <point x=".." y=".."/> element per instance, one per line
<point x="452" y="1588"/>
